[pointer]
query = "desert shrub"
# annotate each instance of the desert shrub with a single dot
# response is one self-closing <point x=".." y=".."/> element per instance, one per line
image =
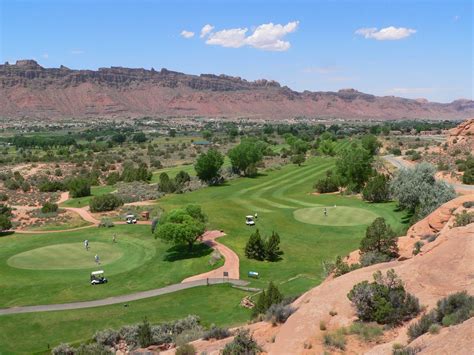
<point x="464" y="218"/>
<point x="322" y="325"/>
<point x="243" y="343"/>
<point x="341" y="267"/>
<point x="12" y="184"/>
<point x="422" y="326"/>
<point x="216" y="333"/>
<point x="279" y="313"/>
<point x="3" y="197"/>
<point x="63" y="349"/>
<point x="51" y="186"/>
<point x="49" y="207"/>
<point x="108" y="337"/>
<point x="377" y="189"/>
<point x="112" y="178"/>
<point x="129" y="333"/>
<point x="384" y="301"/>
<point x="93" y="349"/>
<point x="399" y="349"/>
<point x="373" y="257"/>
<point x="434" y="329"/>
<point x="330" y="183"/>
<point x="417" y="247"/>
<point x="186" y="349"/>
<point x="106" y="202"/>
<point x="136" y="191"/>
<point x="366" y="331"/>
<point x="106" y="223"/>
<point x="188" y="335"/>
<point x="468" y="204"/>
<point x="335" y="339"/>
<point x="454" y="309"/>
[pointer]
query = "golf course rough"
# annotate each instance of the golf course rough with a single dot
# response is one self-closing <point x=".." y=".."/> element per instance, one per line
<point x="340" y="216"/>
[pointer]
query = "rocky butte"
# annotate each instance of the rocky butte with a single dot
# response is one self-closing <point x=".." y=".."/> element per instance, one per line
<point x="29" y="90"/>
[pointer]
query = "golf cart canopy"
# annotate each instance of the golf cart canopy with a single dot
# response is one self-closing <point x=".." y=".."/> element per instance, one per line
<point x="95" y="273"/>
<point x="130" y="216"/>
<point x="249" y="217"/>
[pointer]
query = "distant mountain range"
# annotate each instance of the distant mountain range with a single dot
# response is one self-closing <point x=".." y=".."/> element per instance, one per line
<point x="29" y="90"/>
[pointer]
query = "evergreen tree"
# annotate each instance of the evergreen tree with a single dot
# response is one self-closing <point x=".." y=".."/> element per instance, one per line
<point x="261" y="306"/>
<point x="379" y="238"/>
<point x="272" y="247"/>
<point x="255" y="248"/>
<point x="274" y="295"/>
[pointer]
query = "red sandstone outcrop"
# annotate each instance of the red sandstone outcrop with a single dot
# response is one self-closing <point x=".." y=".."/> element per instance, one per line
<point x="29" y="90"/>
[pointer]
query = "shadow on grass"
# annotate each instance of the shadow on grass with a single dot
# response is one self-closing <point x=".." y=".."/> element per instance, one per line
<point x="182" y="252"/>
<point x="5" y="234"/>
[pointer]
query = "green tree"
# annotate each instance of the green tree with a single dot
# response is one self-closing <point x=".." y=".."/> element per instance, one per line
<point x="326" y="147"/>
<point x="330" y="183"/>
<point x="354" y="166"/>
<point x="274" y="295"/>
<point x="371" y="144"/>
<point x="145" y="337"/>
<point x="139" y="137"/>
<point x="119" y="138"/>
<point x="255" y="247"/>
<point x="272" y="247"/>
<point x="206" y="134"/>
<point x="261" y="305"/>
<point x="5" y="222"/>
<point x="379" y="238"/>
<point x="246" y="155"/>
<point x="298" y="159"/>
<point x="208" y="165"/>
<point x="79" y="187"/>
<point x="182" y="226"/>
<point x="377" y="189"/>
<point x="166" y="184"/>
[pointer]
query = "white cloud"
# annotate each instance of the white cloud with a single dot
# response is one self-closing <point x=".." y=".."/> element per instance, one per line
<point x="187" y="34"/>
<point x="206" y="30"/>
<point x="45" y="55"/>
<point x="77" y="51"/>
<point x="267" y="37"/>
<point x="456" y="18"/>
<point x="385" y="34"/>
<point x="234" y="38"/>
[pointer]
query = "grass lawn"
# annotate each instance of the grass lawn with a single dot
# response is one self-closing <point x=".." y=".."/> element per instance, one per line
<point x="55" y="268"/>
<point x="33" y="332"/>
<point x="84" y="201"/>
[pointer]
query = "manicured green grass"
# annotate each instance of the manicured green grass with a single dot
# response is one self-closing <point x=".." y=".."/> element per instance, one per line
<point x="335" y="216"/>
<point x="145" y="264"/>
<point x="84" y="201"/>
<point x="33" y="332"/>
<point x="68" y="256"/>
<point x="274" y="195"/>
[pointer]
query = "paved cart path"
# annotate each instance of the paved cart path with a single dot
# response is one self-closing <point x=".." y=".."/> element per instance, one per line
<point x="120" y="299"/>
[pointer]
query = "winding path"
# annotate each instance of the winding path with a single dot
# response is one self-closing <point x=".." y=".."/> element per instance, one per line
<point x="121" y="299"/>
<point x="231" y="264"/>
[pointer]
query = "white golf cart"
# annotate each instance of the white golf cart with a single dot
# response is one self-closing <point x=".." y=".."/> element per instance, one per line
<point x="97" y="277"/>
<point x="249" y="220"/>
<point x="131" y="219"/>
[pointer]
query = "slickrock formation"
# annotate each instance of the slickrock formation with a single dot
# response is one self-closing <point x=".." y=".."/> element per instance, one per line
<point x="29" y="90"/>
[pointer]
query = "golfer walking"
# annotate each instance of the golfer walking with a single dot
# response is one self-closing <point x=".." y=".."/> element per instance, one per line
<point x="86" y="244"/>
<point x="325" y="212"/>
<point x="97" y="260"/>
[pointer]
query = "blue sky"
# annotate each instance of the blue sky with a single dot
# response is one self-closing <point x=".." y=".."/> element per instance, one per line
<point x="405" y="48"/>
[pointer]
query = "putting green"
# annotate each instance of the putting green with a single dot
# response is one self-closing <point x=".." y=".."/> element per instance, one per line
<point x="66" y="256"/>
<point x="336" y="216"/>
